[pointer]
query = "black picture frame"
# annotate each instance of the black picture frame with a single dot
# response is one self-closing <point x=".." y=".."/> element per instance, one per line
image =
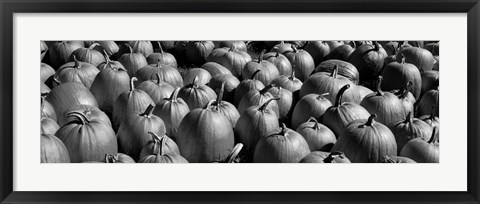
<point x="9" y="7"/>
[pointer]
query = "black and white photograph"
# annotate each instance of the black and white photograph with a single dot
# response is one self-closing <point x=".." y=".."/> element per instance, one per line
<point x="240" y="101"/>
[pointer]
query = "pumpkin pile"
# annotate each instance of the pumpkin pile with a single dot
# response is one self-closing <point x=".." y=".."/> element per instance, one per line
<point x="239" y="101"/>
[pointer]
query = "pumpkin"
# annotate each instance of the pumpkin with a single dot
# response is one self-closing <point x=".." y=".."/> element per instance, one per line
<point x="196" y="95"/>
<point x="157" y="90"/>
<point x="369" y="60"/>
<point x="132" y="61"/>
<point x="44" y="88"/>
<point x="282" y="47"/>
<point x="247" y="85"/>
<point x="226" y="108"/>
<point x="133" y="132"/>
<point x="311" y="105"/>
<point x="390" y="48"/>
<point x="285" y="100"/>
<point x="255" y="98"/>
<point x="397" y="159"/>
<point x="322" y="82"/>
<point x="431" y="119"/>
<point x="143" y="47"/>
<point x="91" y="112"/>
<point x="116" y="158"/>
<point x="421" y="150"/>
<point x="338" y="116"/>
<point x="215" y="69"/>
<point x="390" y="57"/>
<point x="59" y="52"/>
<point x="153" y="146"/>
<point x="197" y="51"/>
<point x="341" y="52"/>
<point x="281" y="146"/>
<point x="429" y="99"/>
<point x="230" y="82"/>
<point x="385" y="105"/>
<point x="108" y="84"/>
<point x="87" y="139"/>
<point x="46" y="108"/>
<point x="77" y="71"/>
<point x="290" y="83"/>
<point x="363" y="91"/>
<point x="268" y="74"/>
<point x="254" y="123"/>
<point x="409" y="129"/>
<point x="68" y="95"/>
<point x="366" y="141"/>
<point x="46" y="72"/>
<point x="334" y="44"/>
<point x="181" y="48"/>
<point x="130" y="101"/>
<point x="88" y="55"/>
<point x="48" y="126"/>
<point x="202" y="74"/>
<point x="167" y="45"/>
<point x="239" y="45"/>
<point x="302" y="63"/>
<point x="318" y="136"/>
<point x="52" y="150"/>
<point x="205" y="135"/>
<point x="325" y="157"/>
<point x="280" y="61"/>
<point x="429" y="80"/>
<point x="419" y="57"/>
<point x="396" y="74"/>
<point x="345" y="69"/>
<point x="167" y="74"/>
<point x="109" y="47"/>
<point x="172" y="110"/>
<point x="232" y="59"/>
<point x="162" y="155"/>
<point x="162" y="57"/>
<point x="318" y="50"/>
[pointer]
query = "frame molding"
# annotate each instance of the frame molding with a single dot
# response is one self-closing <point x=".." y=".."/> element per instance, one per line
<point x="9" y="7"/>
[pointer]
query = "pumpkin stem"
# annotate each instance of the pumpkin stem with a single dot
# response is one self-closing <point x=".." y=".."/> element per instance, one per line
<point x="129" y="48"/>
<point x="162" y="145"/>
<point x="77" y="64"/>
<point x="264" y="105"/>
<point x="158" y="78"/>
<point x="148" y="112"/>
<point x="107" y="59"/>
<point x="323" y="96"/>
<point x="377" y="46"/>
<point x="220" y="94"/>
<point x="174" y="95"/>
<point x="194" y="82"/>
<point x="132" y="85"/>
<point x="332" y="156"/>
<point x="93" y="45"/>
<point x="394" y="49"/>
<point x="379" y="86"/>
<point x="354" y="45"/>
<point x="233" y="155"/>
<point x="338" y="100"/>
<point x="408" y="119"/>
<point x="434" y="136"/>
<point x="370" y="120"/>
<point x="292" y="76"/>
<point x="284" y="129"/>
<point x="388" y="159"/>
<point x="155" y="137"/>
<point x="334" y="71"/>
<point x="312" y="119"/>
<point x="209" y="104"/>
<point x="255" y="74"/>
<point x="80" y="116"/>
<point x="265" y="90"/>
<point x="277" y="53"/>
<point x="403" y="58"/>
<point x="107" y="158"/>
<point x="432" y="114"/>
<point x="160" y="47"/>
<point x="261" y="55"/>
<point x="294" y="48"/>
<point x="404" y="91"/>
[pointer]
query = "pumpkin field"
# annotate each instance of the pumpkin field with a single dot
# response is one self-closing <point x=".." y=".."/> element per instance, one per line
<point x="239" y="102"/>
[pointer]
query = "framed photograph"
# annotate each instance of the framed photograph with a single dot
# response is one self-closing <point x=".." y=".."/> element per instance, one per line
<point x="239" y="101"/>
